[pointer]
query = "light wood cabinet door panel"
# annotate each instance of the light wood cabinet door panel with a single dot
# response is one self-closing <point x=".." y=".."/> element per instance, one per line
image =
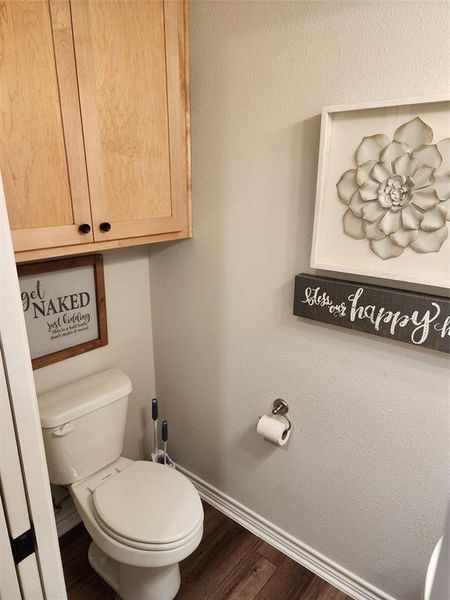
<point x="131" y="74"/>
<point x="41" y="144"/>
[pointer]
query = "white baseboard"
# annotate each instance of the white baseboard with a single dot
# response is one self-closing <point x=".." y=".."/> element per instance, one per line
<point x="67" y="518"/>
<point x="319" y="564"/>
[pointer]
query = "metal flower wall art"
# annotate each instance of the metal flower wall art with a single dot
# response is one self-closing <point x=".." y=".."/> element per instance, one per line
<point x="397" y="195"/>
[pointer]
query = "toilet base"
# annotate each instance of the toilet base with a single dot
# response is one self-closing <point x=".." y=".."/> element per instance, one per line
<point x="103" y="565"/>
<point x="135" y="583"/>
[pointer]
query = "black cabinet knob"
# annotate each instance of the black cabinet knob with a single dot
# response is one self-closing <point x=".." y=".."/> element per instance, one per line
<point x="105" y="226"/>
<point x="84" y="228"/>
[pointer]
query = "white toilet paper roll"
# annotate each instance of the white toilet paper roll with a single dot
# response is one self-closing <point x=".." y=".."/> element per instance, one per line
<point x="274" y="429"/>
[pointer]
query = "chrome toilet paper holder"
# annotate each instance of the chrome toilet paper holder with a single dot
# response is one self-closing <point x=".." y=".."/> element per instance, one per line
<point x="281" y="407"/>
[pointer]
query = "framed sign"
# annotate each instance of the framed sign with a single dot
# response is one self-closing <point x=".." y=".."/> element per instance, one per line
<point x="383" y="191"/>
<point x="419" y="319"/>
<point x="64" y="307"/>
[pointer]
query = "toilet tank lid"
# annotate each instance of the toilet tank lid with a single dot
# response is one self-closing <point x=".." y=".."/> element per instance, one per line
<point x="71" y="401"/>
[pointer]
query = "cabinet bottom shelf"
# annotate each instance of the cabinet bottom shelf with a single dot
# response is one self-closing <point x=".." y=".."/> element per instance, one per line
<point x="45" y="253"/>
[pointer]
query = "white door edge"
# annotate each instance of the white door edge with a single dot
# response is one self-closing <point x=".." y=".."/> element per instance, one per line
<point x="19" y="376"/>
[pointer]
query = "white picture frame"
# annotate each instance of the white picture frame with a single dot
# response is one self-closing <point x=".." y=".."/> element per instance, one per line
<point x="342" y="129"/>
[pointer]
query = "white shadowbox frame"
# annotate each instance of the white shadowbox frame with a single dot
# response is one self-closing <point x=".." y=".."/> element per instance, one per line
<point x="342" y="130"/>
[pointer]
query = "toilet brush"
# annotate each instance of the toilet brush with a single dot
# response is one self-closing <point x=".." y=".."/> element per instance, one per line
<point x="165" y="437"/>
<point x="155" y="424"/>
<point x="158" y="455"/>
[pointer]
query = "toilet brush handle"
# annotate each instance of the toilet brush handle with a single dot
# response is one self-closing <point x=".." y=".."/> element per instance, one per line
<point x="155" y="409"/>
<point x="155" y="424"/>
<point x="165" y="437"/>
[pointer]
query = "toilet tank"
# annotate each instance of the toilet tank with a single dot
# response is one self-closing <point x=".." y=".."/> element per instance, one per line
<point x="83" y="425"/>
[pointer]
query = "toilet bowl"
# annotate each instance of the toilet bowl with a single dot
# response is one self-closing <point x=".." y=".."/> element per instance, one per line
<point x="162" y="525"/>
<point x="143" y="517"/>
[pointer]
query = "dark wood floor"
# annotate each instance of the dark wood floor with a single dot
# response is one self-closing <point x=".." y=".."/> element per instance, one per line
<point x="230" y="563"/>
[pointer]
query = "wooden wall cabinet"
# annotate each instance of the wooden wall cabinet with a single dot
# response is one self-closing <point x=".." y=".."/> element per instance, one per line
<point x="94" y="134"/>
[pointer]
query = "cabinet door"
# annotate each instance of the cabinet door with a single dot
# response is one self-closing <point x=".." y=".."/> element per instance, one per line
<point x="41" y="143"/>
<point x="131" y="75"/>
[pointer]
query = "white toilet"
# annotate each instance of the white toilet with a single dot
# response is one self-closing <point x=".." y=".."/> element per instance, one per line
<point x="144" y="518"/>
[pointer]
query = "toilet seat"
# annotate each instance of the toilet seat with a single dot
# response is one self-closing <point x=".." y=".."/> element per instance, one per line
<point x="82" y="493"/>
<point x="148" y="506"/>
<point x="161" y="548"/>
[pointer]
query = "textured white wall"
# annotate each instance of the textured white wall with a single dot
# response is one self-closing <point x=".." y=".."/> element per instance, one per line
<point x="130" y="342"/>
<point x="365" y="475"/>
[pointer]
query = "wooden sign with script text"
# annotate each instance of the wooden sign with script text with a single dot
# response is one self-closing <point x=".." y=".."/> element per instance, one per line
<point x="419" y="319"/>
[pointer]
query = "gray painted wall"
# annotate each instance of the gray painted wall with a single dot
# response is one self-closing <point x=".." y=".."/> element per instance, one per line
<point x="365" y="475"/>
<point x="130" y="346"/>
